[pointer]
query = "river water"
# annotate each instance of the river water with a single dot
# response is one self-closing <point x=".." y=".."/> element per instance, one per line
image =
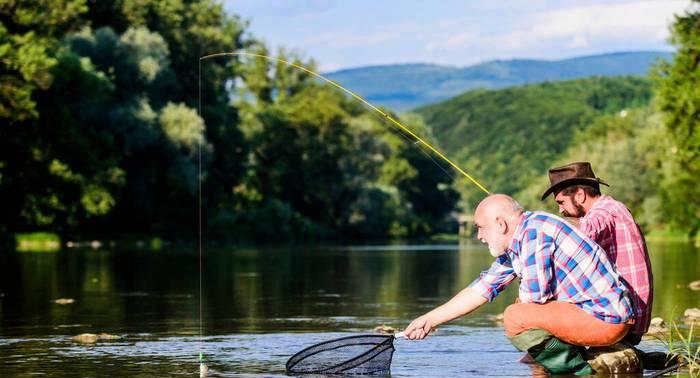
<point x="259" y="306"/>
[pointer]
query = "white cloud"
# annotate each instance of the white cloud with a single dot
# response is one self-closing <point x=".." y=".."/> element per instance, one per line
<point x="571" y="27"/>
<point x="628" y="20"/>
<point x="458" y="32"/>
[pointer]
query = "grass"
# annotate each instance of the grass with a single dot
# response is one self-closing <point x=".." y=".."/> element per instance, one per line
<point x="685" y="347"/>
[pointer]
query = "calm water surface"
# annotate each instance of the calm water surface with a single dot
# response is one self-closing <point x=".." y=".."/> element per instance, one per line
<point x="260" y="306"/>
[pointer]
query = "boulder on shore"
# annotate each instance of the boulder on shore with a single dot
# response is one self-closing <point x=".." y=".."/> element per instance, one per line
<point x="614" y="359"/>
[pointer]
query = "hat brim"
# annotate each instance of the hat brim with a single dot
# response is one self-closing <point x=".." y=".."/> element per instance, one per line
<point x="569" y="182"/>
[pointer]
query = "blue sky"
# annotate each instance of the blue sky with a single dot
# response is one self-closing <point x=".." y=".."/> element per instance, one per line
<point x="351" y="33"/>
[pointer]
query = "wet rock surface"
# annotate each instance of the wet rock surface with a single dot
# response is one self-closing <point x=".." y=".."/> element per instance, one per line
<point x="614" y="359"/>
<point x="91" y="338"/>
<point x="385" y="330"/>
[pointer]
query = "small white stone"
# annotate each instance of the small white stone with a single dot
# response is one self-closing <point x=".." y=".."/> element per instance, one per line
<point x="657" y="322"/>
<point x="692" y="313"/>
<point x="695" y="285"/>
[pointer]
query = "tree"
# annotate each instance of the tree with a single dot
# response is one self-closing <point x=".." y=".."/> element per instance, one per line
<point x="29" y="31"/>
<point x="679" y="99"/>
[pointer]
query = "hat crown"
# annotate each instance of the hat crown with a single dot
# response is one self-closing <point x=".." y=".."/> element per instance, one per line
<point x="571" y="171"/>
<point x="571" y="174"/>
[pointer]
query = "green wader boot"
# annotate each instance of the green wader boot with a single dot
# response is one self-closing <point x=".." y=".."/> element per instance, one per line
<point x="555" y="355"/>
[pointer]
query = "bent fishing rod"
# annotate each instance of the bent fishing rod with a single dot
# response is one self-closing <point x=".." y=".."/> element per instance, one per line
<point x="354" y="95"/>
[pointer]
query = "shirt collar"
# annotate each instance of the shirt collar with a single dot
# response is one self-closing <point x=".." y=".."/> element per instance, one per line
<point x="515" y="243"/>
<point x="599" y="203"/>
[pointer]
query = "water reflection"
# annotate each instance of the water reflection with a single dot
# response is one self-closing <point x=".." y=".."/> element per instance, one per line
<point x="260" y="305"/>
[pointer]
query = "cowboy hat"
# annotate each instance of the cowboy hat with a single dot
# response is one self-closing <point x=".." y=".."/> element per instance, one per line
<point x="579" y="173"/>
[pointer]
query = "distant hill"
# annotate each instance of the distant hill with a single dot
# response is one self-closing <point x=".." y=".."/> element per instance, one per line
<point x="507" y="137"/>
<point x="405" y="86"/>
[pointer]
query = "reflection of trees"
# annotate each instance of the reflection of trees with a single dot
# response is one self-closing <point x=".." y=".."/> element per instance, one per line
<point x="315" y="284"/>
<point x="245" y="290"/>
<point x="674" y="265"/>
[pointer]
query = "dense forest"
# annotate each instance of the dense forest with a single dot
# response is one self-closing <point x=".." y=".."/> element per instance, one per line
<point x="103" y="132"/>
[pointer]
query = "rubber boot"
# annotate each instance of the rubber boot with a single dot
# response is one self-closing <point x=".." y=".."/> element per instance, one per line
<point x="559" y="357"/>
<point x="555" y="355"/>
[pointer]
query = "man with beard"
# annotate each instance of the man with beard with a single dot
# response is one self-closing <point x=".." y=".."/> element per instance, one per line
<point x="570" y="296"/>
<point x="610" y="224"/>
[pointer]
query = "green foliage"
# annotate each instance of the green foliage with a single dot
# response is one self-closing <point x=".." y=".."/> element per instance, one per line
<point x="332" y="162"/>
<point x="103" y="136"/>
<point x="111" y="143"/>
<point x="182" y="126"/>
<point x="679" y="96"/>
<point x="29" y="31"/>
<point x="628" y="151"/>
<point x="504" y="138"/>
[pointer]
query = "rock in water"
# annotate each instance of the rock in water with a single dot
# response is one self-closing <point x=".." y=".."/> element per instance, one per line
<point x="107" y="336"/>
<point x="614" y="359"/>
<point x="695" y="285"/>
<point x="86" y="338"/>
<point x="692" y="313"/>
<point x="657" y="327"/>
<point x="91" y="338"/>
<point x="385" y="330"/>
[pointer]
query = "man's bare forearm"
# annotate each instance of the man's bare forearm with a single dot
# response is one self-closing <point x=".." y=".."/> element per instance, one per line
<point x="461" y="304"/>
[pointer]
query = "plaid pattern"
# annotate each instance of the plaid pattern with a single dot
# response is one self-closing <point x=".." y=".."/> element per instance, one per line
<point x="557" y="262"/>
<point x="611" y="225"/>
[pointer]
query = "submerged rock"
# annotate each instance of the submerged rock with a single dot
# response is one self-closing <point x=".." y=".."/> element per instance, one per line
<point x="85" y="338"/>
<point x="614" y="359"/>
<point x="695" y="285"/>
<point x="692" y="313"/>
<point x="91" y="338"/>
<point x="385" y="329"/>
<point x="64" y="301"/>
<point x="657" y="327"/>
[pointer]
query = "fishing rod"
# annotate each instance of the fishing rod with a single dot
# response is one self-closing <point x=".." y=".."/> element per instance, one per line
<point x="386" y="116"/>
<point x="203" y="368"/>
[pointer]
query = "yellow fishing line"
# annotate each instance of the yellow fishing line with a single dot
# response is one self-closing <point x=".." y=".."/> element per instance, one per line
<point x="358" y="97"/>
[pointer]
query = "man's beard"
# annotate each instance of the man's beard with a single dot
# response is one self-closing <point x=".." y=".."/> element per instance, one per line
<point x="580" y="211"/>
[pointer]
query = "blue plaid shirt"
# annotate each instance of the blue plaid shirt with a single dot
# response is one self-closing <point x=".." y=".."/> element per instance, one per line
<point x="557" y="262"/>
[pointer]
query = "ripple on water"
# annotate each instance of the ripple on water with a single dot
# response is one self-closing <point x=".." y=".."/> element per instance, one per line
<point x="452" y="351"/>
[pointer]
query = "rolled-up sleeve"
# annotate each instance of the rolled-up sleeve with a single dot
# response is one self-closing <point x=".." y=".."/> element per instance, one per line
<point x="493" y="281"/>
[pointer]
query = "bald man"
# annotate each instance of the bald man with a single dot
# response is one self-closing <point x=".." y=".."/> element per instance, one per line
<point x="570" y="295"/>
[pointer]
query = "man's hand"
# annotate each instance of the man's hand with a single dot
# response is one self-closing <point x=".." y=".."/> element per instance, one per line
<point x="419" y="328"/>
<point x="461" y="304"/>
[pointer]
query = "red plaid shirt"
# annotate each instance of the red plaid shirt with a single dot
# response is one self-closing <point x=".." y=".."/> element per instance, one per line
<point x="611" y="225"/>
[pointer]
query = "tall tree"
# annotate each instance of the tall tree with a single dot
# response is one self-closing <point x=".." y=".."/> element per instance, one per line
<point x="29" y="31"/>
<point x="679" y="99"/>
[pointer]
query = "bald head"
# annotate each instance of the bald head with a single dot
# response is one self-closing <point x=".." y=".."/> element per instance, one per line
<point x="498" y="205"/>
<point x="496" y="218"/>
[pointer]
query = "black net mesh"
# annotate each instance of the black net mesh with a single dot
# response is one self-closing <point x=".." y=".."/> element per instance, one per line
<point x="362" y="354"/>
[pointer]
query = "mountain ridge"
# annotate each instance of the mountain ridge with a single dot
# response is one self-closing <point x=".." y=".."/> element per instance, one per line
<point x="401" y="87"/>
